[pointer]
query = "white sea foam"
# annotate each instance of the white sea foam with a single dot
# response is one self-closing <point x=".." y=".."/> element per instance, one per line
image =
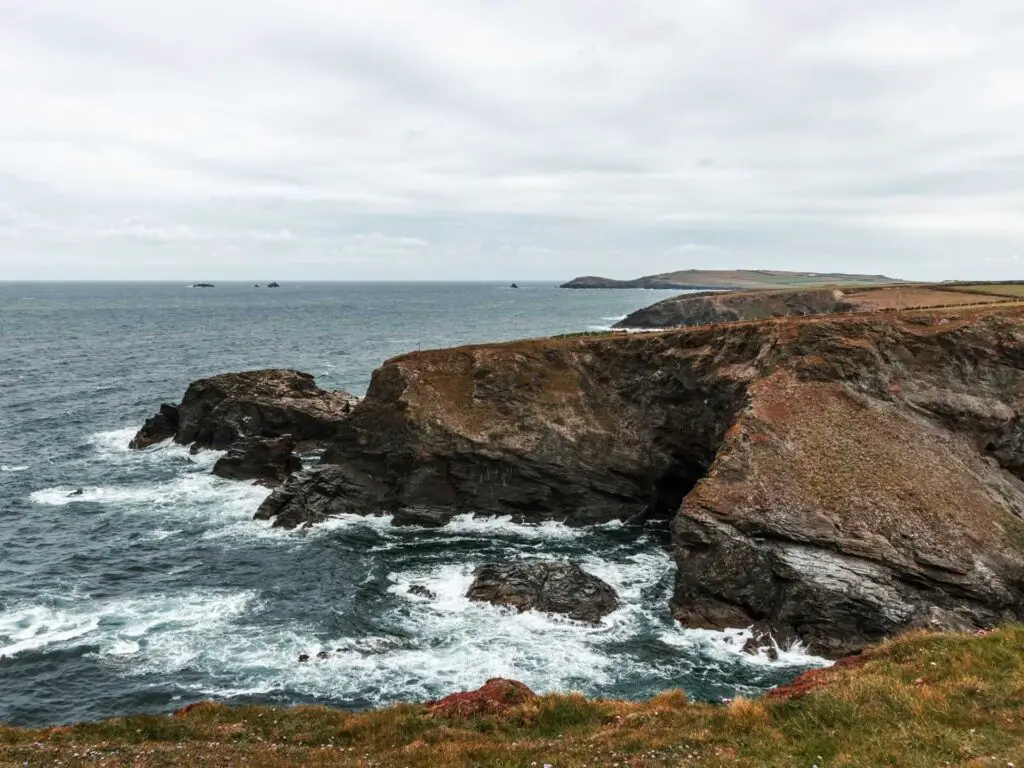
<point x="727" y="646"/>
<point x="9" y="468"/>
<point x="156" y="625"/>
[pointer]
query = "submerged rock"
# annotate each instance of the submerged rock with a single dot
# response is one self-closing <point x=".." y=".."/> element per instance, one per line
<point x="546" y="586"/>
<point x="219" y="411"/>
<point x="420" y="591"/>
<point x="270" y="460"/>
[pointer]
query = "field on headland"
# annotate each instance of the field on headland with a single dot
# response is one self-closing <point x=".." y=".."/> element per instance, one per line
<point x="920" y="700"/>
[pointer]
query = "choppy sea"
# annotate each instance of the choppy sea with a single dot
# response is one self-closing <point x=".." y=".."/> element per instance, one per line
<point x="154" y="588"/>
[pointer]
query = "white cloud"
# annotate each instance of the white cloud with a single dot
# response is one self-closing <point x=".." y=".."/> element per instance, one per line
<point x="407" y="139"/>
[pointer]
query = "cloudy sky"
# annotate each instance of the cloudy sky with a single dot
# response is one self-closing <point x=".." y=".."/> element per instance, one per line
<point x="509" y="139"/>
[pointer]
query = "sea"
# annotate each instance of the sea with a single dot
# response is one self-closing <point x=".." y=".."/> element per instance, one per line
<point x="152" y="587"/>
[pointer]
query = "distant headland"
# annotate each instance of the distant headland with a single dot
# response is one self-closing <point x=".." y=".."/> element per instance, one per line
<point x="729" y="279"/>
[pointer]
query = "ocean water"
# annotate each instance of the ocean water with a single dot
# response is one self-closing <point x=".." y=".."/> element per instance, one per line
<point x="154" y="588"/>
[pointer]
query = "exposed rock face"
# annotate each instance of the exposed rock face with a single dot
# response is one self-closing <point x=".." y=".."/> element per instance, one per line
<point x="497" y="696"/>
<point x="158" y="427"/>
<point x="549" y="587"/>
<point x="706" y="308"/>
<point x="270" y="460"/>
<point x="219" y="411"/>
<point x="836" y="479"/>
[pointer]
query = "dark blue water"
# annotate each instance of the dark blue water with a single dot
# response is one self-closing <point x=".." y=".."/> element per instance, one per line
<point x="154" y="588"/>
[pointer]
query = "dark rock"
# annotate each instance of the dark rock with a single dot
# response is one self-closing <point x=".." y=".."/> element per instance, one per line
<point x="77" y="492"/>
<point x="717" y="307"/>
<point x="420" y="591"/>
<point x="320" y="493"/>
<point x="550" y="587"/>
<point x="219" y="411"/>
<point x="273" y="285"/>
<point x="303" y="658"/>
<point x="203" y="285"/>
<point x="323" y="655"/>
<point x="159" y="427"/>
<point x="756" y="642"/>
<point x="513" y="286"/>
<point x="270" y="460"/>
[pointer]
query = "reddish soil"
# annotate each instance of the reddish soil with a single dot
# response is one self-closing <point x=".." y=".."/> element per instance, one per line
<point x="496" y="697"/>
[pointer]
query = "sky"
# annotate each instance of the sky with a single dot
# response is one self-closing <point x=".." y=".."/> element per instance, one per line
<point x="509" y="139"/>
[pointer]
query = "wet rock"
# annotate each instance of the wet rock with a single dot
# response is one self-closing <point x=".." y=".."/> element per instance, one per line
<point x="273" y="285"/>
<point x="496" y="697"/>
<point x="755" y="643"/>
<point x="545" y="586"/>
<point x="303" y="658"/>
<point x="420" y="591"/>
<point x="323" y="655"/>
<point x="268" y="460"/>
<point x="76" y="492"/>
<point x="321" y="493"/>
<point x="219" y="411"/>
<point x="159" y="427"/>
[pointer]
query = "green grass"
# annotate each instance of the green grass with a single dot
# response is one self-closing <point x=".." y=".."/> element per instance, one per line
<point x="922" y="700"/>
<point x="1014" y="290"/>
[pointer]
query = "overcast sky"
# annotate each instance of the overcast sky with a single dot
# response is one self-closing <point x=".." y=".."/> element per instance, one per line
<point x="509" y="139"/>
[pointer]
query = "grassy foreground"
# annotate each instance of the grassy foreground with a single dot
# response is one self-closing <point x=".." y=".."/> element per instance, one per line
<point x="921" y="700"/>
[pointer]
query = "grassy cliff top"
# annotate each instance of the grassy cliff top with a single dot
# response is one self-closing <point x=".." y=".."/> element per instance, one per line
<point x="920" y="700"/>
<point x="734" y="279"/>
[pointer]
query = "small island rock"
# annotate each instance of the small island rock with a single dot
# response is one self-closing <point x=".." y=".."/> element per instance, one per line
<point x="545" y="586"/>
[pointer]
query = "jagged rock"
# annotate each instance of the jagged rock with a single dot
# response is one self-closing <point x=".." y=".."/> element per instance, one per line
<point x="420" y="591"/>
<point x="219" y="411"/>
<point x="320" y="493"/>
<point x="270" y="460"/>
<point x="159" y="427"/>
<point x="273" y="285"/>
<point x="833" y="479"/>
<point x="549" y="587"/>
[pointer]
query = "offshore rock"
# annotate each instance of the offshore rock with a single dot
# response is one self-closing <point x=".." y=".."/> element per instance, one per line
<point x="219" y="411"/>
<point x="269" y="460"/>
<point x="834" y="479"/>
<point x="549" y="587"/>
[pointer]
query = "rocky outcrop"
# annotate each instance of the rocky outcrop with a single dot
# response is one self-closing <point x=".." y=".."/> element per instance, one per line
<point x="220" y="411"/>
<point x="545" y="586"/>
<point x="835" y="479"/>
<point x="707" y="308"/>
<point x="159" y="427"/>
<point x="268" y="460"/>
<point x="497" y="696"/>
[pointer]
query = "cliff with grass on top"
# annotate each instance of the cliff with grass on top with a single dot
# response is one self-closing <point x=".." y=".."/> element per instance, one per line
<point x="923" y="700"/>
<point x="834" y="479"/>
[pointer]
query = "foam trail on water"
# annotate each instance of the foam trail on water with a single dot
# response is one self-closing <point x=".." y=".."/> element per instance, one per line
<point x="9" y="468"/>
<point x="160" y="624"/>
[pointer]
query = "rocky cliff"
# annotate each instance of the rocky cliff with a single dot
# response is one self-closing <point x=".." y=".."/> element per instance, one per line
<point x="220" y="411"/>
<point x="730" y="279"/>
<point x="834" y="479"/>
<point x="706" y="308"/>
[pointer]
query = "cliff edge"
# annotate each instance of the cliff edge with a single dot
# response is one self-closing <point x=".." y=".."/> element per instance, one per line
<point x="834" y="479"/>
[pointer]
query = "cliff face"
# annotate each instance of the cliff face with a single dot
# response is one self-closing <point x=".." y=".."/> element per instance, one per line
<point x="730" y="279"/>
<point x="835" y="479"/>
<point x="704" y="309"/>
